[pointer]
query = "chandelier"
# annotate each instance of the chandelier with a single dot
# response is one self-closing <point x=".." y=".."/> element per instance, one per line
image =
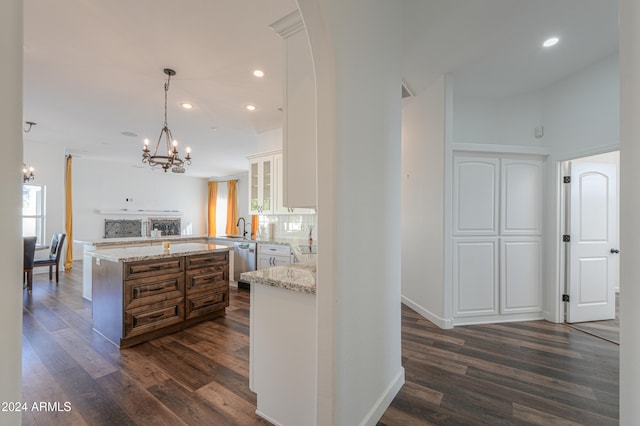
<point x="169" y="158"/>
<point x="27" y="173"/>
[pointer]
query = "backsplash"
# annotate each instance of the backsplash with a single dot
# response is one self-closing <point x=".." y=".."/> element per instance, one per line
<point x="288" y="226"/>
<point x="124" y="228"/>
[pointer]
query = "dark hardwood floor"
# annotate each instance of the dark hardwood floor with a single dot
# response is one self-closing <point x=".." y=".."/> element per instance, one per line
<point x="518" y="373"/>
<point x="522" y="373"/>
<point x="607" y="329"/>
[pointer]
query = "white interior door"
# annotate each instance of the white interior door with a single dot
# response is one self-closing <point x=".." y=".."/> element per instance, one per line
<point x="594" y="243"/>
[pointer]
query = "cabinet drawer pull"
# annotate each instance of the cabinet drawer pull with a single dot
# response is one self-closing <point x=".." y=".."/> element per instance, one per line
<point x="155" y="289"/>
<point x="138" y="291"/>
<point x="156" y="316"/>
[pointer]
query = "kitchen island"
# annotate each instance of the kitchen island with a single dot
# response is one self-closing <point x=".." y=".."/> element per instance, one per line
<point x="140" y="293"/>
<point x="104" y="243"/>
<point x="282" y="352"/>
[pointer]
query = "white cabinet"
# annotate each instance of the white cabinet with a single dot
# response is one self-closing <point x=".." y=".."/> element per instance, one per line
<point x="266" y="185"/>
<point x="261" y="183"/>
<point x="476" y="196"/>
<point x="299" y="108"/>
<point x="497" y="238"/>
<point x="475" y="276"/>
<point x="521" y="273"/>
<point x="521" y="197"/>
<point x="270" y="255"/>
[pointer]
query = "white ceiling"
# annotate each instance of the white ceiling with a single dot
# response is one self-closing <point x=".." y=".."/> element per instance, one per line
<point x="93" y="68"/>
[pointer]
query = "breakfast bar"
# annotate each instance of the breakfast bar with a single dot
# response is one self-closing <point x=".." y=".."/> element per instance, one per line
<point x="282" y="352"/>
<point x="140" y="293"/>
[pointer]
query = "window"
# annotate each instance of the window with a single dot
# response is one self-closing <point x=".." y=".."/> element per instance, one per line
<point x="33" y="212"/>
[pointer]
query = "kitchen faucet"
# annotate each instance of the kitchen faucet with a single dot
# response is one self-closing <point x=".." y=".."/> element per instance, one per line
<point x="244" y="226"/>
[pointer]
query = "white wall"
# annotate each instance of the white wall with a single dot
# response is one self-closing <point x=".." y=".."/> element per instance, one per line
<point x="11" y="48"/>
<point x="630" y="204"/>
<point x="423" y="145"/>
<point x="105" y="185"/>
<point x="270" y="140"/>
<point x="359" y="114"/>
<point x="504" y="121"/>
<point x="582" y="112"/>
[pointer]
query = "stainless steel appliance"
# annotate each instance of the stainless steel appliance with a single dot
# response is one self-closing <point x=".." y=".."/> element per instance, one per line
<point x="244" y="260"/>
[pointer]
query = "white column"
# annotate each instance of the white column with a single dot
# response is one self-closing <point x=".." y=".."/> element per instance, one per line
<point x="356" y="47"/>
<point x="629" y="210"/>
<point x="11" y="195"/>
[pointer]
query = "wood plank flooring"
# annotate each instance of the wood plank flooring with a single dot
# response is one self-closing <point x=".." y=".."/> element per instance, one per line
<point x="518" y="373"/>
<point x="607" y="329"/>
<point x="504" y="374"/>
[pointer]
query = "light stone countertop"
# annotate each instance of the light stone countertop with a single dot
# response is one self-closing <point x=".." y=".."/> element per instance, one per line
<point x="295" y="277"/>
<point x="105" y="242"/>
<point x="134" y="254"/>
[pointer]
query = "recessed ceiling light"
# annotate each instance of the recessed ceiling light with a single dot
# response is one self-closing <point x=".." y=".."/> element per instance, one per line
<point x="258" y="73"/>
<point x="186" y="105"/>
<point x="551" y="42"/>
<point x="251" y="107"/>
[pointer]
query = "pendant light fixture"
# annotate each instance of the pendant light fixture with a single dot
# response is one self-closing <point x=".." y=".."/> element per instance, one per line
<point x="27" y="173"/>
<point x="169" y="158"/>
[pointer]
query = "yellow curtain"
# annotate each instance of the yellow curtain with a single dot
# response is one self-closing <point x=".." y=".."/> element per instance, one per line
<point x="254" y="226"/>
<point x="232" y="207"/>
<point x="68" y="222"/>
<point x="213" y="196"/>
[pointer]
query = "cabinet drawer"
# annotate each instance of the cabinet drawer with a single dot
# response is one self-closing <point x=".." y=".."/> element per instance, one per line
<point x="153" y="267"/>
<point x="207" y="278"/>
<point x="208" y="302"/>
<point x="148" y="290"/>
<point x="207" y="260"/>
<point x="274" y="249"/>
<point x="152" y="317"/>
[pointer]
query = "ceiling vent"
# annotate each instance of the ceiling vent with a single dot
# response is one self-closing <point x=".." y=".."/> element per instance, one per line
<point x="406" y="92"/>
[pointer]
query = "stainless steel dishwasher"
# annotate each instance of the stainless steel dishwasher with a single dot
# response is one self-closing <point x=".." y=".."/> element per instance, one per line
<point x="244" y="260"/>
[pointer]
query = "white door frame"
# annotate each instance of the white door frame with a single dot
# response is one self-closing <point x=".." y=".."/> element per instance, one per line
<point x="561" y="221"/>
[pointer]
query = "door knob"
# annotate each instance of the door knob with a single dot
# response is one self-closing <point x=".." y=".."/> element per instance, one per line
<point x="615" y="251"/>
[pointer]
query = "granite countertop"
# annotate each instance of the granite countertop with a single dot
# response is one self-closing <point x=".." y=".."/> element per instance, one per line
<point x="295" y="277"/>
<point x="134" y="254"/>
<point x="103" y="242"/>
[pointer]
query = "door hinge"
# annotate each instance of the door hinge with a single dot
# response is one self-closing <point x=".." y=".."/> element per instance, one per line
<point x="566" y="238"/>
<point x="565" y="297"/>
<point x="566" y="179"/>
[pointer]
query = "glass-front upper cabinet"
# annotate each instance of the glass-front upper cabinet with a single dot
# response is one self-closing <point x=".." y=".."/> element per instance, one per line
<point x="261" y="184"/>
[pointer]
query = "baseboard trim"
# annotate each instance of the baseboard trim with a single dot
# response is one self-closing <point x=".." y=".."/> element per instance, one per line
<point x="384" y="400"/>
<point x="439" y="321"/>
<point x="267" y="418"/>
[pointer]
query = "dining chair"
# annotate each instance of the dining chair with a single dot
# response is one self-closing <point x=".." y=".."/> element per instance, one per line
<point x="57" y="241"/>
<point x="29" y="253"/>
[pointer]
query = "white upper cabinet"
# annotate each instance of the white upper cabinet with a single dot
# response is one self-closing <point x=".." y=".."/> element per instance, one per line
<point x="266" y="187"/>
<point x="299" y="108"/>
<point x="261" y="184"/>
<point x="521" y="207"/>
<point x="476" y="196"/>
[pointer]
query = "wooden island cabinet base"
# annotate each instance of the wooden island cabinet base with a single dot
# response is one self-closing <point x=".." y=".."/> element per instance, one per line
<point x="137" y="301"/>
